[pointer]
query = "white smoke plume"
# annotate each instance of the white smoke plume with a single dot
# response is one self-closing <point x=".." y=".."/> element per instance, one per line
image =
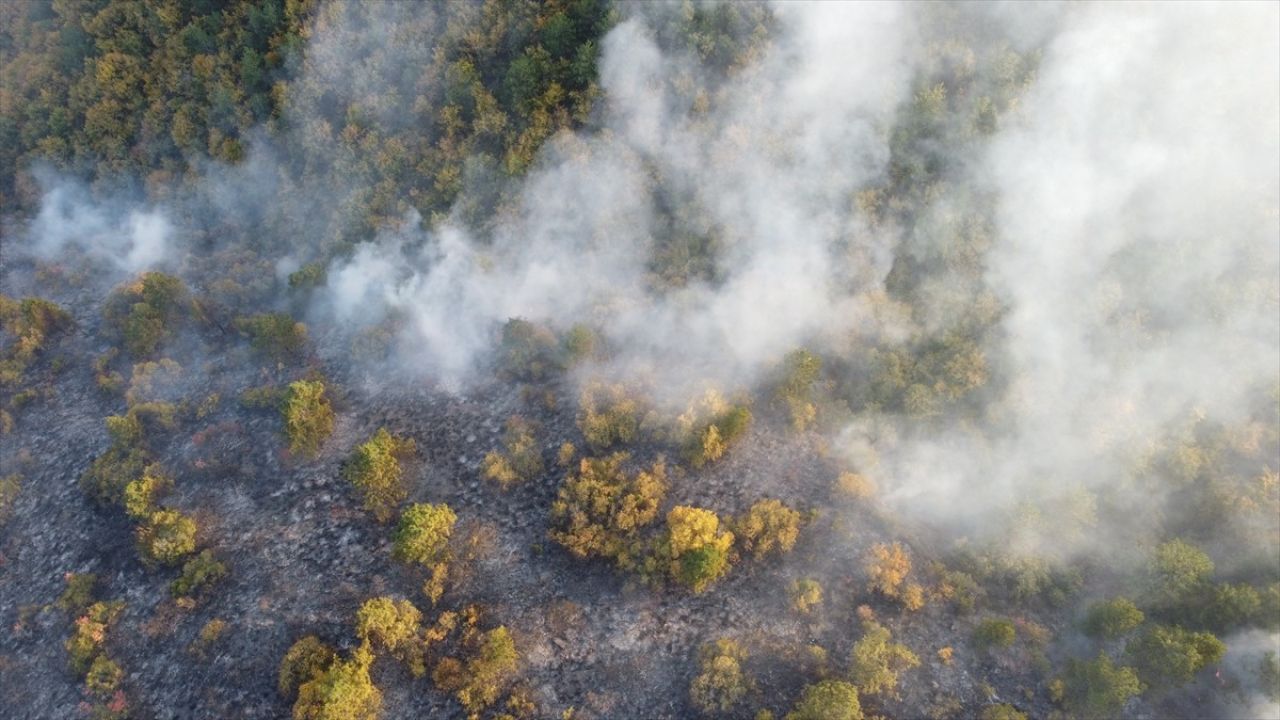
<point x="771" y="164"/>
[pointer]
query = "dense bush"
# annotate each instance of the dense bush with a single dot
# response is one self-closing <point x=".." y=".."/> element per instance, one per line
<point x="1171" y="656"/>
<point x="308" y="416"/>
<point x="876" y="661"/>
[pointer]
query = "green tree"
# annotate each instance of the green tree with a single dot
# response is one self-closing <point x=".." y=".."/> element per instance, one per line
<point x="422" y="535"/>
<point x="522" y="459"/>
<point x="1098" y="688"/>
<point x="768" y="525"/>
<point x="720" y="685"/>
<point x="343" y="691"/>
<point x="306" y="660"/>
<point x="166" y="537"/>
<point x="1112" y="619"/>
<point x="1180" y="568"/>
<point x="491" y="665"/>
<point x="276" y="335"/>
<point x="374" y="468"/>
<point x="877" y="661"/>
<point x="1171" y="656"/>
<point x="994" y="633"/>
<point x="600" y="509"/>
<point x="393" y="625"/>
<point x="308" y="416"/>
<point x="698" y="549"/>
<point x="828" y="700"/>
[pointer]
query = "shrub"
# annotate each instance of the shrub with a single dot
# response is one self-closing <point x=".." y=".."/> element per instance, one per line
<point x="422" y="535"/>
<point x="876" y="661"/>
<point x="276" y="335"/>
<point x="828" y="700"/>
<point x="210" y="633"/>
<point x="697" y="547"/>
<point x="166" y="537"/>
<point x="306" y="659"/>
<point x="1112" y="619"/>
<point x="720" y="685"/>
<point x="806" y="594"/>
<point x="522" y="459"/>
<point x="375" y="470"/>
<point x="599" y="509"/>
<point x="994" y="633"/>
<point x="265" y="397"/>
<point x="198" y="573"/>
<point x="308" y="417"/>
<point x="768" y="525"/>
<point x="342" y="691"/>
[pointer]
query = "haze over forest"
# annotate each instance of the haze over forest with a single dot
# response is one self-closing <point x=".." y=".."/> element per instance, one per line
<point x="584" y="359"/>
